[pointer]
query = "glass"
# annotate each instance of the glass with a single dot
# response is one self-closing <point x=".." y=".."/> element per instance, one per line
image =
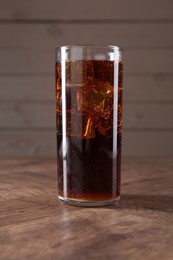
<point x="89" y="124"/>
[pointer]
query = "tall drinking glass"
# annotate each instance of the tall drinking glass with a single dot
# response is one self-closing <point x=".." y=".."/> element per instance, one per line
<point x="89" y="124"/>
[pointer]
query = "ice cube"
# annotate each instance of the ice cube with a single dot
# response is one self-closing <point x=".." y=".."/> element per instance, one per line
<point x="104" y="71"/>
<point x="77" y="124"/>
<point x="78" y="72"/>
<point x="105" y="125"/>
<point x="97" y="98"/>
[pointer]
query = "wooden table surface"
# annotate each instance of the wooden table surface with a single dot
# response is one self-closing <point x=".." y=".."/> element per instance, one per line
<point x="35" y="225"/>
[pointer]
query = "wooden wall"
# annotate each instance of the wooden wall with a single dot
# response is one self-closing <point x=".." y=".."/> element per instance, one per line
<point x="29" y="33"/>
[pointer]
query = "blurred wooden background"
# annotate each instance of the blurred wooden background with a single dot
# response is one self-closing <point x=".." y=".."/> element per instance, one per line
<point x="29" y="33"/>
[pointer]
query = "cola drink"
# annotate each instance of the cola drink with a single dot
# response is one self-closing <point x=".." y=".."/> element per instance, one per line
<point x="89" y="129"/>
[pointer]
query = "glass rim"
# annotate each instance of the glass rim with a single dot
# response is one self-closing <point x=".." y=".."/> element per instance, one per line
<point x="94" y="46"/>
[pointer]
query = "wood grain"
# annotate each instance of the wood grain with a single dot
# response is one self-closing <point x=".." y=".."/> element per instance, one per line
<point x="76" y="9"/>
<point x="140" y="226"/>
<point x="42" y="142"/>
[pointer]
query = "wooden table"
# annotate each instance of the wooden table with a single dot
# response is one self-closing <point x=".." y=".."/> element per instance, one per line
<point x="35" y="225"/>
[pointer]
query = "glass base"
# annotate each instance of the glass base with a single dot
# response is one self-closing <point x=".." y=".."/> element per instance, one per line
<point x="89" y="203"/>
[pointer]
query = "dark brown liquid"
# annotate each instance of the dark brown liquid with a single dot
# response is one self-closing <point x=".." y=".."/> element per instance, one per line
<point x="89" y="147"/>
